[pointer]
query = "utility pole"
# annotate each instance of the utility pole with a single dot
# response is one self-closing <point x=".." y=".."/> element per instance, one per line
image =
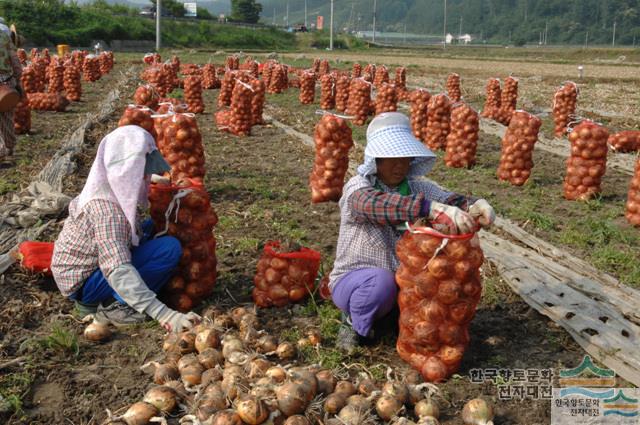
<point x="444" y="27"/>
<point x="375" y="5"/>
<point x="460" y="28"/>
<point x="613" y="42"/>
<point x="546" y="32"/>
<point x="586" y="40"/>
<point x="158" y="14"/>
<point x="404" y="39"/>
<point x="287" y="13"/>
<point x="331" y="28"/>
<point x="274" y="16"/>
<point x="305" y="14"/>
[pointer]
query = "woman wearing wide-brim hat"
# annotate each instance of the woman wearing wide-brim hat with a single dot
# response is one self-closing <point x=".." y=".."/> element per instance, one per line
<point x="10" y="72"/>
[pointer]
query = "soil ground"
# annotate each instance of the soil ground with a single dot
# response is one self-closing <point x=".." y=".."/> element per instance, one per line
<point x="258" y="186"/>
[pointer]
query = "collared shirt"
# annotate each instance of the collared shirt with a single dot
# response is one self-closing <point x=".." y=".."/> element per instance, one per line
<point x="369" y="219"/>
<point x="99" y="236"/>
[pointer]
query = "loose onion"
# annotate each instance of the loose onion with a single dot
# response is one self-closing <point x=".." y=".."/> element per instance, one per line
<point x="252" y="411"/>
<point x="334" y="403"/>
<point x="426" y="407"/>
<point x="477" y="412"/>
<point x="297" y="420"/>
<point x="387" y="407"/>
<point x="292" y="398"/>
<point x="165" y="372"/>
<point x="162" y="397"/>
<point x="139" y="413"/>
<point x="97" y="332"/>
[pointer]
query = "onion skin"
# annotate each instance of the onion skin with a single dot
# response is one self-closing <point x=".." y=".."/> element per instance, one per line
<point x="366" y="387"/>
<point x="140" y="413"/>
<point x="226" y="417"/>
<point x="334" y="403"/>
<point x="297" y="420"/>
<point x="477" y="412"/>
<point x="345" y="388"/>
<point x="426" y="407"/>
<point x="97" y="332"/>
<point x="162" y="397"/>
<point x="387" y="407"/>
<point x="286" y="351"/>
<point x="165" y="372"/>
<point x="292" y="399"/>
<point x="326" y="382"/>
<point x="252" y="411"/>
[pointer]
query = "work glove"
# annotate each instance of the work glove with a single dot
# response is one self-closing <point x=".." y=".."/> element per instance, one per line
<point x="174" y="321"/>
<point x="482" y="212"/>
<point x="450" y="220"/>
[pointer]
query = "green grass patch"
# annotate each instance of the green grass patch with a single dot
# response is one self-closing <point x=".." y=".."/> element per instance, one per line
<point x="61" y="340"/>
<point x="13" y="388"/>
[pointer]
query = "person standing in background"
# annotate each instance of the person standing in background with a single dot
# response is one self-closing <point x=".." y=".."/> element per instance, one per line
<point x="10" y="72"/>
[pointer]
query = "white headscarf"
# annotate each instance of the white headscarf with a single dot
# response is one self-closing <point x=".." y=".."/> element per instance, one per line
<point x="389" y="135"/>
<point x="117" y="173"/>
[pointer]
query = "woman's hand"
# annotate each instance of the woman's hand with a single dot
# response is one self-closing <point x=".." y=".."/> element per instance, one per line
<point x="177" y="322"/>
<point x="483" y="212"/>
<point x="450" y="220"/>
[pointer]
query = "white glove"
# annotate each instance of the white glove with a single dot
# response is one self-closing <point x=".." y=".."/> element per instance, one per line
<point x="450" y="220"/>
<point x="483" y="212"/>
<point x="174" y="321"/>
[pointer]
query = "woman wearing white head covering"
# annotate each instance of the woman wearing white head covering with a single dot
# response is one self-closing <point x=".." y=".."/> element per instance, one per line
<point x="387" y="192"/>
<point x="10" y="72"/>
<point x="99" y="255"/>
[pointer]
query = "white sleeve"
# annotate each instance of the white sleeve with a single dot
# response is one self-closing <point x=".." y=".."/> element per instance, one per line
<point x="128" y="284"/>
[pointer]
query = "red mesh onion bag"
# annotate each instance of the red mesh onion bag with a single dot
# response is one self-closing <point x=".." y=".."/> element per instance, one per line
<point x="438" y="118"/>
<point x="508" y="100"/>
<point x="356" y="70"/>
<point x="327" y="92"/>
<point x="564" y="107"/>
<point x="35" y="257"/>
<point x="240" y="119"/>
<point x="48" y="102"/>
<point x="193" y="94"/>
<point x="632" y="209"/>
<point x="342" y="92"/>
<point x="72" y="79"/>
<point x="22" y="117"/>
<point x="307" y="87"/>
<point x="359" y="98"/>
<point x="182" y="147"/>
<point x="462" y="139"/>
<point x="226" y="89"/>
<point x="146" y="95"/>
<point x="56" y="77"/>
<point x="419" y="106"/>
<point x="492" y="102"/>
<point x="453" y="87"/>
<point x="332" y="137"/>
<point x="381" y="76"/>
<point x="625" y="141"/>
<point x="516" y="159"/>
<point x="386" y="98"/>
<point x="588" y="161"/>
<point x="257" y="101"/>
<point x="91" y="69"/>
<point x="284" y="276"/>
<point x="400" y="80"/>
<point x="138" y="115"/>
<point x="209" y="77"/>
<point x="439" y="288"/>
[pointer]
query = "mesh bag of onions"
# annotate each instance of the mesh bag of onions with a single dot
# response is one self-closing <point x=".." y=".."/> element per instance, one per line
<point x="438" y="119"/>
<point x="91" y="69"/>
<point x="56" y="77"/>
<point x="28" y="80"/>
<point x="588" y="161"/>
<point x="632" y="211"/>
<point x="22" y="56"/>
<point x="48" y="102"/>
<point x="453" y="87"/>
<point x="40" y="68"/>
<point x="257" y="102"/>
<point x="419" y="103"/>
<point x="22" y="117"/>
<point x="564" y="107"/>
<point x="440" y="286"/>
<point x="386" y="98"/>
<point x="209" y="77"/>
<point x="508" y="100"/>
<point x="356" y="70"/>
<point x="241" y="118"/>
<point x="342" y="92"/>
<point x="359" y="99"/>
<point x="516" y="159"/>
<point x="191" y="219"/>
<point x="226" y="89"/>
<point x="146" y="95"/>
<point x="369" y="72"/>
<point x="181" y="146"/>
<point x="106" y="62"/>
<point x="232" y="62"/>
<point x="193" y="94"/>
<point x="327" y="92"/>
<point x="625" y="141"/>
<point x="285" y="275"/>
<point x="315" y="65"/>
<point x="307" y="87"/>
<point x="462" y="139"/>
<point x="492" y="102"/>
<point x="332" y="137"/>
<point x="400" y="80"/>
<point x="324" y="67"/>
<point x="138" y="115"/>
<point x="278" y="81"/>
<point x="381" y="76"/>
<point x="72" y="82"/>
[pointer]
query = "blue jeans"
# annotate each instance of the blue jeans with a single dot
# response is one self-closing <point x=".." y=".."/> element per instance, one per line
<point x="155" y="260"/>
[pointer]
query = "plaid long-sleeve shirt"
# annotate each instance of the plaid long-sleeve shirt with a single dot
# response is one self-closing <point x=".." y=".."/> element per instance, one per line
<point x="368" y="217"/>
<point x="98" y="237"/>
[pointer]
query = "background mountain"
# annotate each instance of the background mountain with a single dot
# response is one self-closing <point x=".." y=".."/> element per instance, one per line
<point x="214" y="6"/>
<point x="568" y="21"/>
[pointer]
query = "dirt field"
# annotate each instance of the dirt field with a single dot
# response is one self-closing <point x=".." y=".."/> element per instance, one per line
<point x="258" y="186"/>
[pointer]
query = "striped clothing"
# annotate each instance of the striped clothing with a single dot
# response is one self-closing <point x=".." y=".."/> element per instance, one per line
<point x="99" y="236"/>
<point x="368" y="220"/>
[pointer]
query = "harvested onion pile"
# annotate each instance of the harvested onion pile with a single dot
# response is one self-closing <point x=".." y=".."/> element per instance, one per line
<point x="381" y="76"/>
<point x="369" y="72"/>
<point x="252" y="67"/>
<point x="106" y="62"/>
<point x="386" y="98"/>
<point x="146" y="95"/>
<point x="564" y="107"/>
<point x="257" y="102"/>
<point x="342" y="93"/>
<point x="508" y="100"/>
<point x="400" y="80"/>
<point x="625" y="141"/>
<point x="462" y="139"/>
<point x="193" y="94"/>
<point x="588" y="161"/>
<point x="56" y="77"/>
<point x="324" y="67"/>
<point x="22" y="117"/>
<point x="72" y="79"/>
<point x="29" y="80"/>
<point x="48" y="102"/>
<point x="327" y="92"/>
<point x="91" y="68"/>
<point x="138" y="115"/>
<point x="284" y="275"/>
<point x="241" y="119"/>
<point x="307" y="87"/>
<point x="278" y="81"/>
<point x="439" y="292"/>
<point x="333" y="140"/>
<point x="419" y="103"/>
<point x="192" y="223"/>
<point x="359" y="99"/>
<point x="632" y="211"/>
<point x="209" y="77"/>
<point x="438" y="119"/>
<point x="77" y="57"/>
<point x="226" y="89"/>
<point x="181" y="146"/>
<point x="356" y="70"/>
<point x="232" y="62"/>
<point x="453" y="87"/>
<point x="516" y="160"/>
<point x="492" y="102"/>
<point x="40" y="69"/>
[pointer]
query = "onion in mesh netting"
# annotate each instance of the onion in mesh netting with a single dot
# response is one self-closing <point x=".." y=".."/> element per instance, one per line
<point x="257" y="101"/>
<point x="278" y="81"/>
<point x="72" y="79"/>
<point x="22" y="117"/>
<point x="48" y="102"/>
<point x="333" y="140"/>
<point x="508" y="100"/>
<point x="462" y="139"/>
<point x="356" y="70"/>
<point x="226" y="89"/>
<point x="564" y="107"/>
<point x="40" y="69"/>
<point x="588" y="160"/>
<point x="241" y="119"/>
<point x="381" y="76"/>
<point x="307" y="87"/>
<point x="438" y="119"/>
<point x="324" y="67"/>
<point x="419" y="105"/>
<point x="232" y="62"/>
<point x="209" y="77"/>
<point x="182" y="146"/>
<point x="516" y="159"/>
<point x="146" y="95"/>
<point x="632" y="209"/>
<point x="106" y="62"/>
<point x="22" y="56"/>
<point x="140" y="116"/>
<point x="29" y="79"/>
<point x="400" y="80"/>
<point x="359" y="99"/>
<point x="91" y="69"/>
<point x="193" y="94"/>
<point x="342" y="92"/>
<point x="492" y="102"/>
<point x="369" y="72"/>
<point x="625" y="141"/>
<point x="56" y="77"/>
<point x="327" y="92"/>
<point x="453" y="87"/>
<point x="386" y="98"/>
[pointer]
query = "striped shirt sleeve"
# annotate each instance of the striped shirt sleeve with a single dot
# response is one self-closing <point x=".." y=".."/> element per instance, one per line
<point x="385" y="208"/>
<point x="112" y="237"/>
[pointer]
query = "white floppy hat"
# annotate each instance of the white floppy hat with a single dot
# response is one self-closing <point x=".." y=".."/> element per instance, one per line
<point x="389" y="135"/>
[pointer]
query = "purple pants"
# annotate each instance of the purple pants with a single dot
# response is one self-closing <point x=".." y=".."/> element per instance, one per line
<point x="365" y="295"/>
